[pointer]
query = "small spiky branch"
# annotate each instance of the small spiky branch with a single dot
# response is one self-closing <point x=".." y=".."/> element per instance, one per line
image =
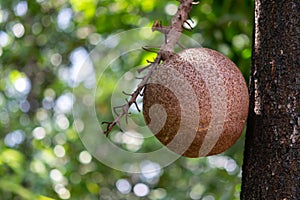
<point x="172" y="34"/>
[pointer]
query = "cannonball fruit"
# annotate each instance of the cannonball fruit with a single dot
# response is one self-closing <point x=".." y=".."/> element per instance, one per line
<point x="196" y="103"/>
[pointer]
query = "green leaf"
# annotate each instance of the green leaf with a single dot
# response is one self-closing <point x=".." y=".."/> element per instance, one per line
<point x="10" y="186"/>
<point x="13" y="159"/>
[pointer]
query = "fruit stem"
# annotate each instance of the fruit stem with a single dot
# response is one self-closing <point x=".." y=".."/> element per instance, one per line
<point x="172" y="34"/>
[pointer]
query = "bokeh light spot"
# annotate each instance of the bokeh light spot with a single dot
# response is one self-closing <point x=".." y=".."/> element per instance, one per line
<point x="80" y="60"/>
<point x="206" y="8"/>
<point x="3" y="15"/>
<point x="141" y="190"/>
<point x="49" y="92"/>
<point x="64" y="18"/>
<point x="240" y="41"/>
<point x="4" y="118"/>
<point x="24" y="106"/>
<point x="24" y="120"/>
<point x="62" y="122"/>
<point x="158" y="193"/>
<point x="230" y="166"/>
<point x="223" y="162"/>
<point x="22" y="85"/>
<point x="64" y="103"/>
<point x="133" y="140"/>
<point x="150" y="169"/>
<point x="217" y="161"/>
<point x="171" y="9"/>
<point x="14" y="138"/>
<point x="56" y="59"/>
<point x="38" y="167"/>
<point x="56" y="175"/>
<point x="42" y="114"/>
<point x="48" y="103"/>
<point x="64" y="193"/>
<point x="225" y="49"/>
<point x="4" y="39"/>
<point x="84" y="32"/>
<point x="21" y="8"/>
<point x="123" y="186"/>
<point x="39" y="133"/>
<point x="197" y="191"/>
<point x="94" y="38"/>
<point x="13" y="106"/>
<point x="85" y="157"/>
<point x="36" y="28"/>
<point x="59" y="151"/>
<point x="18" y="30"/>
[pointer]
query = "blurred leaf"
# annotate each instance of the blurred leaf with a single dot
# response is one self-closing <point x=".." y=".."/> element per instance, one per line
<point x="87" y="7"/>
<point x="14" y="159"/>
<point x="8" y="185"/>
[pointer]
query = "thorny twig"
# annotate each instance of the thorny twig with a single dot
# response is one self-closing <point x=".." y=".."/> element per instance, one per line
<point x="133" y="98"/>
<point x="172" y="34"/>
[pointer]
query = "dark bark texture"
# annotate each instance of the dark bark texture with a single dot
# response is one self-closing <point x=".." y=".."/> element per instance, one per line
<point x="271" y="168"/>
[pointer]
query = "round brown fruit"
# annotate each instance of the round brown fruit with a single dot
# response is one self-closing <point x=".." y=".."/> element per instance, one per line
<point x="196" y="103"/>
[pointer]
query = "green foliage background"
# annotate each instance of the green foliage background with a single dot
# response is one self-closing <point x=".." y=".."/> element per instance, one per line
<point x="41" y="154"/>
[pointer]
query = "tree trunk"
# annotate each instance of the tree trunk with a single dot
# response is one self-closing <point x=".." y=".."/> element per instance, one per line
<point x="271" y="168"/>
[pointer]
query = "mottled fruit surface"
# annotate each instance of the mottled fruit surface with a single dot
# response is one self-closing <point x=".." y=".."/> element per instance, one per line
<point x="196" y="103"/>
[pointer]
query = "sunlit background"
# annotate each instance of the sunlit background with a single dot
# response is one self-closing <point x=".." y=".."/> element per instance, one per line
<point x="44" y="43"/>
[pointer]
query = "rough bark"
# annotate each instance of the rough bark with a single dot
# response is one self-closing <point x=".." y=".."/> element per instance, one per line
<point x="271" y="167"/>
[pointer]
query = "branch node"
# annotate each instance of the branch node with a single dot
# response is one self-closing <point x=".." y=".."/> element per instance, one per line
<point x="157" y="26"/>
<point x="115" y="111"/>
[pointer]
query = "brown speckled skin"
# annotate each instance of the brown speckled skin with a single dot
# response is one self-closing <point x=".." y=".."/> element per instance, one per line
<point x="235" y="102"/>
